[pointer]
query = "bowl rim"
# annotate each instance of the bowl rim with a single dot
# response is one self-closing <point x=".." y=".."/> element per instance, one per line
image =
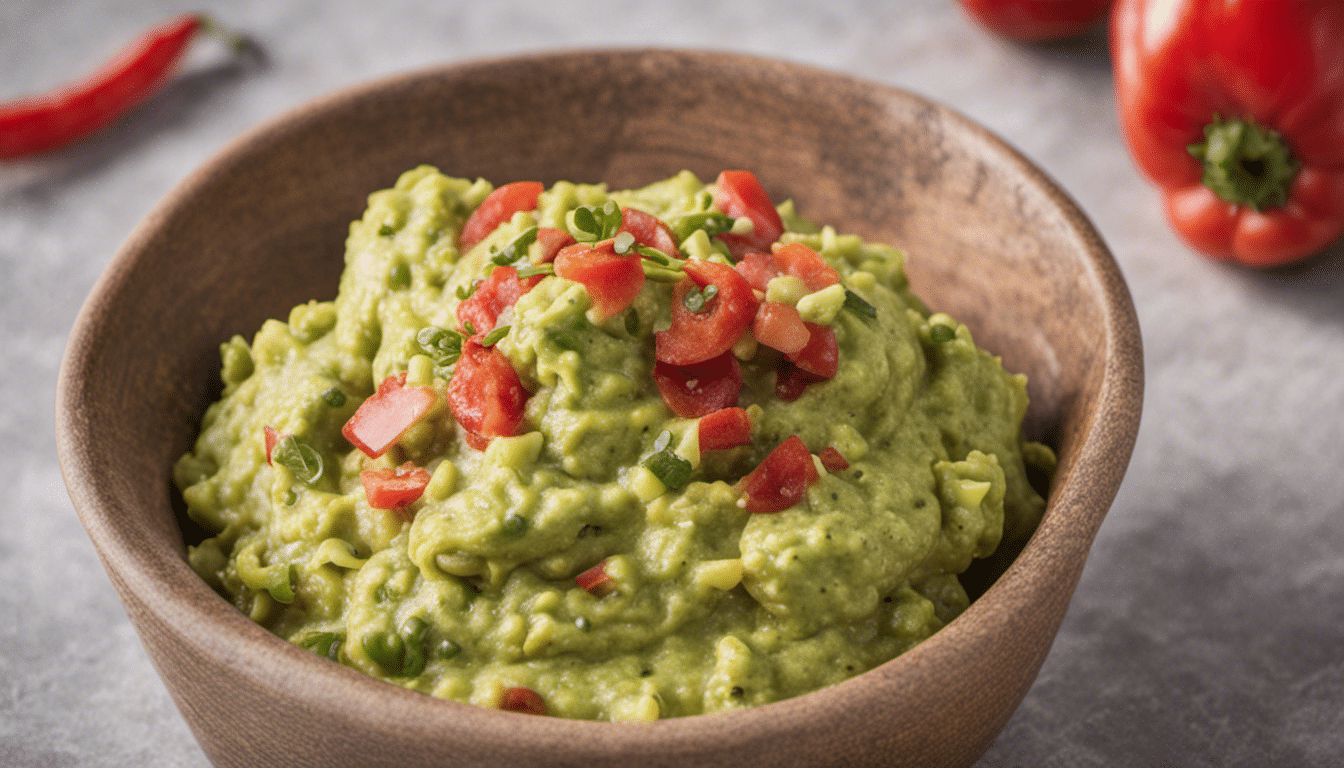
<point x="151" y="573"/>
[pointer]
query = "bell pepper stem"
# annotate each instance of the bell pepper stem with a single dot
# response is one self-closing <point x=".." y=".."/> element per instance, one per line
<point x="1246" y="163"/>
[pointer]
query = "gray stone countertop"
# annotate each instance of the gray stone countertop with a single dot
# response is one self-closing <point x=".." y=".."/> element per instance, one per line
<point x="1208" y="628"/>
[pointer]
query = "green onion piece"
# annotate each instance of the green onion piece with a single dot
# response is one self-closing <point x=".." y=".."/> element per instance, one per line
<point x="413" y="663"/>
<point x="326" y="644"/>
<point x="654" y="255"/>
<point x="713" y="222"/>
<point x="494" y="336"/>
<point x="513" y="525"/>
<point x="282" y="584"/>
<point x="447" y="648"/>
<point x="440" y="344"/>
<point x="291" y="498"/>
<point x="399" y="277"/>
<point x="516" y="248"/>
<point x="540" y="269"/>
<point x="668" y="467"/>
<point x="697" y="298"/>
<point x="469" y="327"/>
<point x="299" y="458"/>
<point x="856" y="304"/>
<point x="660" y="274"/>
<point x="334" y="397"/>
<point x="941" y="333"/>
<point x="465" y="292"/>
<point x="387" y="650"/>
<point x="632" y="323"/>
<point x="623" y="242"/>
<point x="584" y="624"/>
<point x="386" y="231"/>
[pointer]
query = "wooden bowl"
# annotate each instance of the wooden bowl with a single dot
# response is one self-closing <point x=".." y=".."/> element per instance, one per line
<point x="261" y="228"/>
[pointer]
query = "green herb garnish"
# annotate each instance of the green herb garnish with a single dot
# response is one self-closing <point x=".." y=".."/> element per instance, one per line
<point x="513" y="525"/>
<point x="282" y="584"/>
<point x="564" y="338"/>
<point x="540" y="269"/>
<point x="291" y="497"/>
<point x="515" y="249"/>
<point x="632" y="323"/>
<point x="623" y="242"/>
<point x="447" y="648"/>
<point x="326" y="644"/>
<point x="464" y="292"/>
<point x="494" y="336"/>
<point x="593" y="223"/>
<point x="654" y="255"/>
<point x="387" y="650"/>
<point x="386" y="231"/>
<point x="672" y="470"/>
<point x="399" y="277"/>
<point x="697" y="299"/>
<point x="713" y="222"/>
<point x="856" y="304"/>
<point x="584" y="624"/>
<point x="299" y="458"/>
<point x="413" y="662"/>
<point x="440" y="344"/>
<point x="334" y="397"/>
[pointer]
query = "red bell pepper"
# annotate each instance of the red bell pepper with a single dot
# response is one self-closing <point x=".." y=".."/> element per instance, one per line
<point x="1235" y="109"/>
<point x="1037" y="20"/>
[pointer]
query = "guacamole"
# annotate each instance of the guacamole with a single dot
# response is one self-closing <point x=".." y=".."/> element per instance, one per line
<point x="616" y="455"/>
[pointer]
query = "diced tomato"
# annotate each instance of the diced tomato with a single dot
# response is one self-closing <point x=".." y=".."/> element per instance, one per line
<point x="791" y="381"/>
<point x="699" y="389"/>
<point x="485" y="395"/>
<point x="649" y="230"/>
<point x="272" y="437"/>
<point x="778" y="326"/>
<point x="833" y="460"/>
<point x="739" y="193"/>
<point x="596" y="581"/>
<point x="613" y="280"/>
<point x="821" y="356"/>
<point x="781" y="480"/>
<point x="497" y="208"/>
<point x="500" y="290"/>
<point x="382" y="419"/>
<point x="551" y="241"/>
<point x="388" y="488"/>
<point x="725" y="428"/>
<point x="793" y="259"/>
<point x="524" y="700"/>
<point x="698" y="336"/>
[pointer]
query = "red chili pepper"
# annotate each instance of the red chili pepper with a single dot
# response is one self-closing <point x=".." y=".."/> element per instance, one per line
<point x="1037" y="20"/>
<point x="40" y="123"/>
<point x="1235" y="109"/>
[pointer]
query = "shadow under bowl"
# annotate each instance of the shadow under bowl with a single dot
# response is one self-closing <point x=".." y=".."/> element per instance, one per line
<point x="260" y="228"/>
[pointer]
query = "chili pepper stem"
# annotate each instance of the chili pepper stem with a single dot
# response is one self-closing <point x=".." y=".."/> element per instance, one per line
<point x="1246" y="163"/>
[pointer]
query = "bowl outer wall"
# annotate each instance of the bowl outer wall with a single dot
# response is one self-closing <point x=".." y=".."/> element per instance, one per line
<point x="993" y="241"/>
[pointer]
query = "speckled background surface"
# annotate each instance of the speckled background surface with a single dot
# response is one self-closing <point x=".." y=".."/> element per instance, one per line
<point x="1208" y="629"/>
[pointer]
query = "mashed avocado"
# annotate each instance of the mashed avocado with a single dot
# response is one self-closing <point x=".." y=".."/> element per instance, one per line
<point x="559" y="541"/>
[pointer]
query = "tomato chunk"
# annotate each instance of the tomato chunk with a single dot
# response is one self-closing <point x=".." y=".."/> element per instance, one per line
<point x="725" y="428"/>
<point x="500" y="290"/>
<point x="649" y="230"/>
<point x="791" y="381"/>
<point x="833" y="460"/>
<point x="497" y="208"/>
<point x="272" y="437"/>
<point x="795" y="259"/>
<point x="696" y="336"/>
<point x="699" y="389"/>
<point x="778" y="326"/>
<point x="613" y="279"/>
<point x="388" y="488"/>
<point x="485" y="395"/>
<point x="821" y="355"/>
<point x="382" y="419"/>
<point x="524" y="700"/>
<point x="738" y="194"/>
<point x="551" y="241"/>
<point x="781" y="480"/>
<point x="596" y="581"/>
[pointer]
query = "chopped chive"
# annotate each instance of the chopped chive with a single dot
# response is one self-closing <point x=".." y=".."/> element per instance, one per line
<point x="291" y="497"/>
<point x="697" y="299"/>
<point x="399" y="277"/>
<point x="386" y="231"/>
<point x="654" y="255"/>
<point x="516" y="248"/>
<point x="299" y="458"/>
<point x="660" y="274"/>
<point x="672" y="470"/>
<point x="387" y="650"/>
<point x="540" y="269"/>
<point x="856" y="304"/>
<point x="464" y="292"/>
<point x="632" y="323"/>
<point x="713" y="222"/>
<point x="584" y="624"/>
<point x="334" y="397"/>
<point x="494" y="336"/>
<point x="941" y="333"/>
<point x="469" y="327"/>
<point x="440" y="344"/>
<point x="447" y="648"/>
<point x="326" y="644"/>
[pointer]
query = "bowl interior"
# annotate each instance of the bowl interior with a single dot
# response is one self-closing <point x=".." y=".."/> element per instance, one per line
<point x="261" y="229"/>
